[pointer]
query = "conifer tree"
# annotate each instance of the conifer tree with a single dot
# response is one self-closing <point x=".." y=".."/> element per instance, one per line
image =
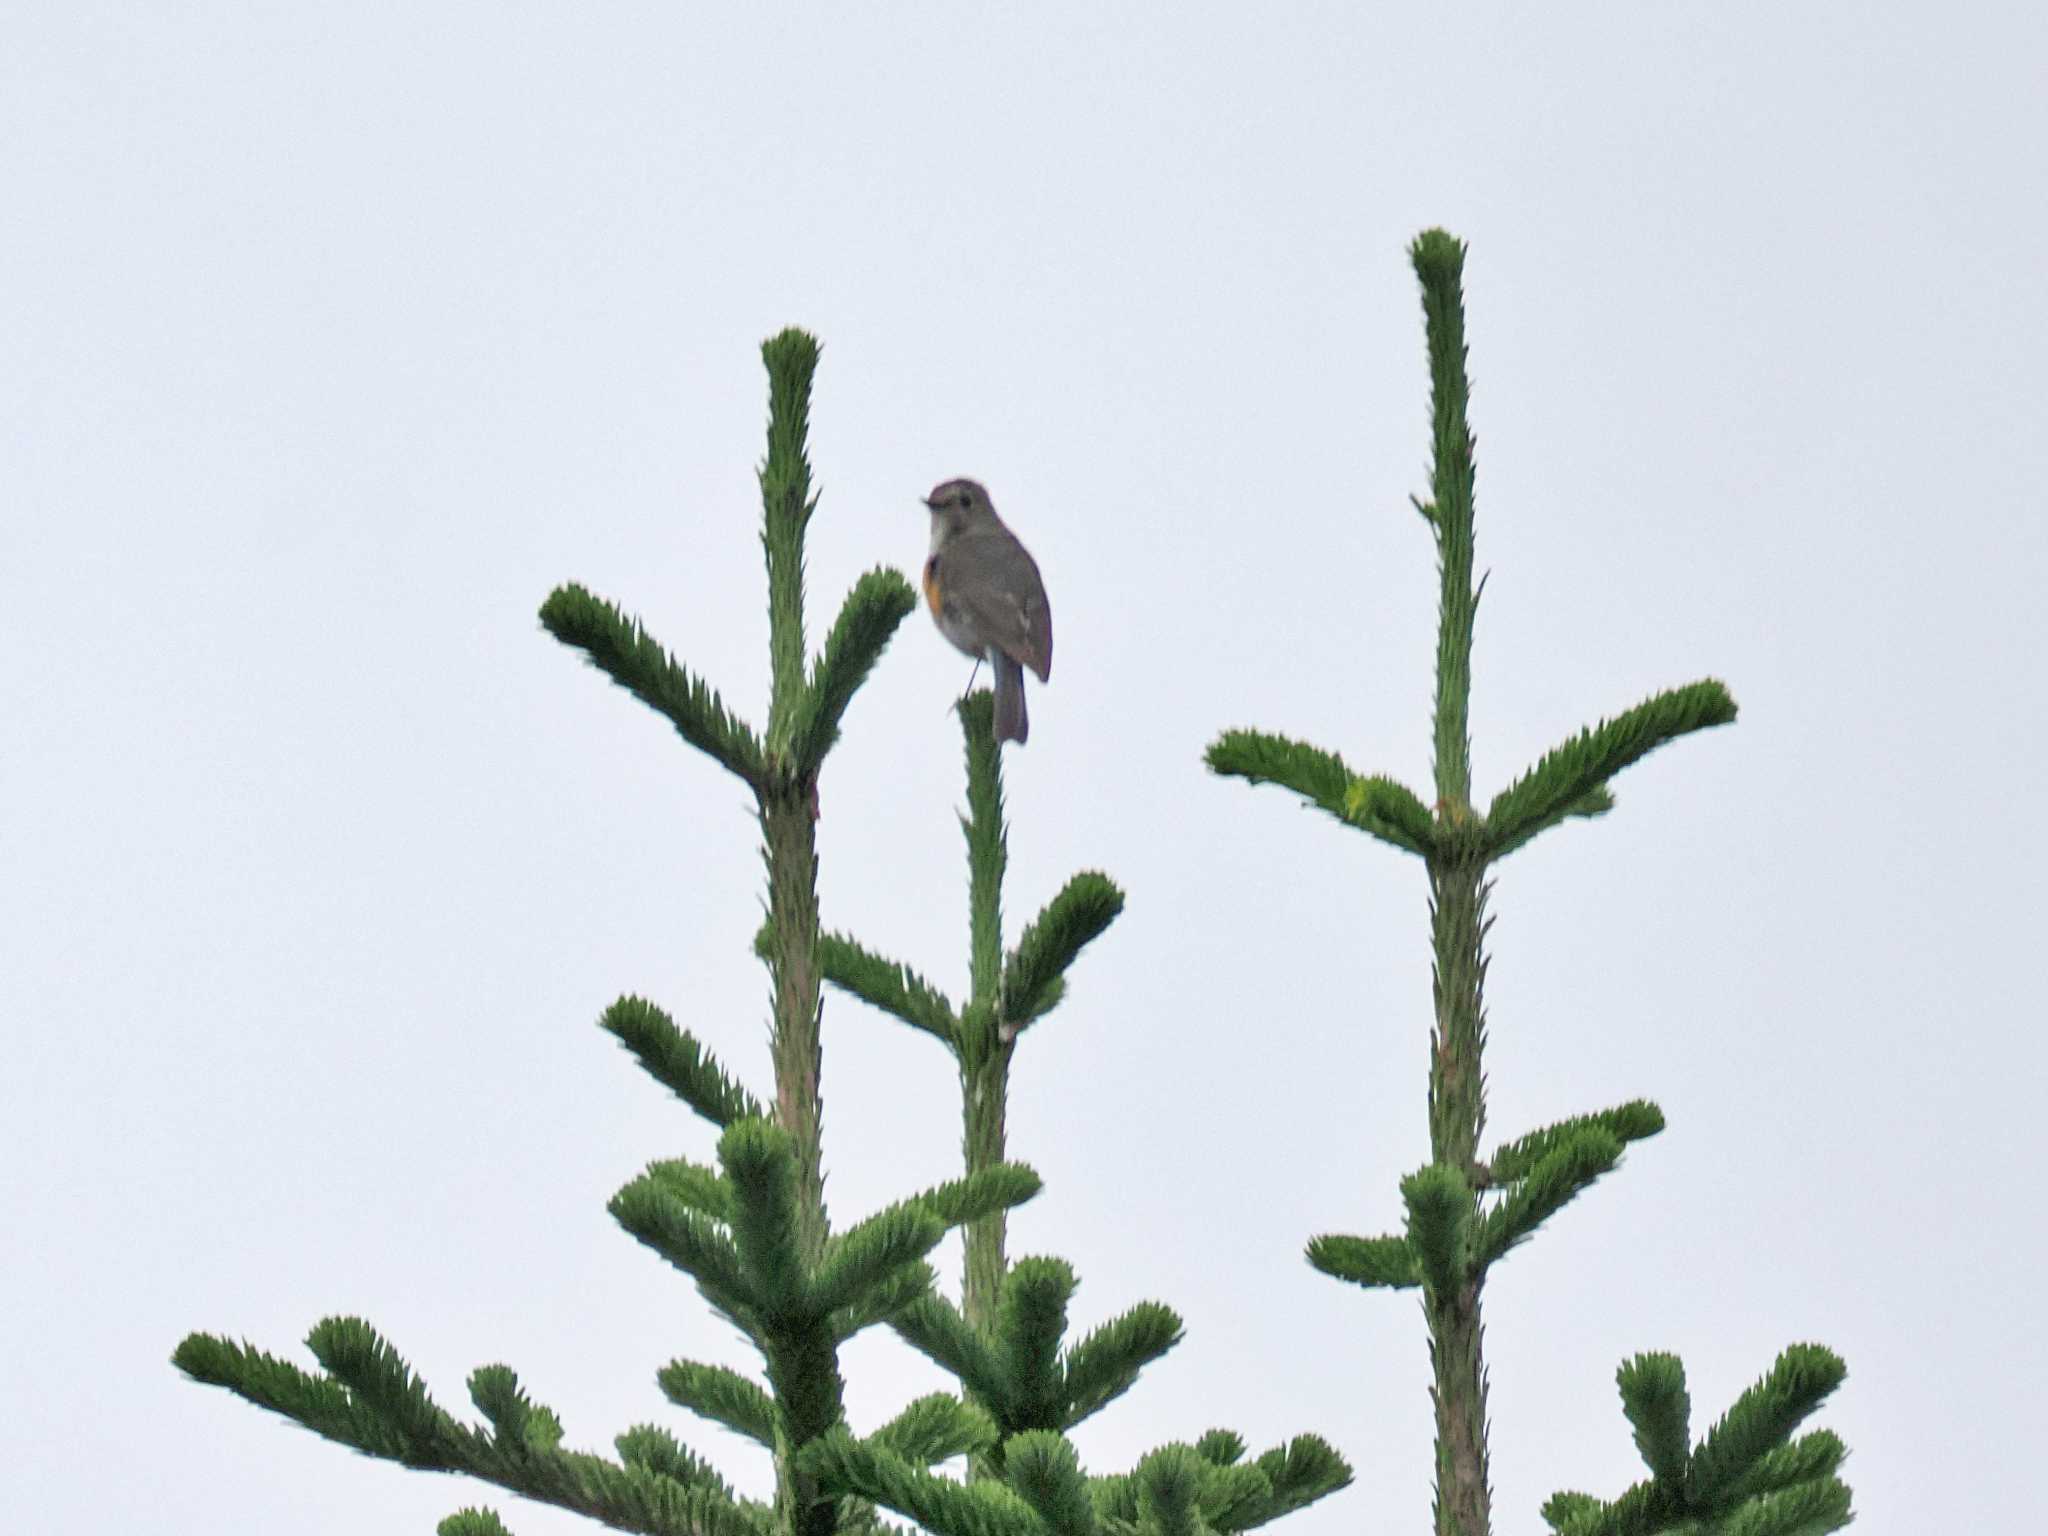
<point x="1464" y="1213"/>
<point x="752" y="1232"/>
<point x="1004" y="1342"/>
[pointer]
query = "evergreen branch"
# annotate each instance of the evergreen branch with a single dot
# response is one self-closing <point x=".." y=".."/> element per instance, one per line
<point x="1376" y="805"/>
<point x="786" y="504"/>
<point x="693" y="1243"/>
<point x="760" y="1163"/>
<point x="723" y="1396"/>
<point x="878" y="603"/>
<point x="845" y="1466"/>
<point x="1569" y="1509"/>
<point x="629" y="1498"/>
<point x="621" y="649"/>
<point x="1653" y="1397"/>
<point x="373" y="1403"/>
<point x="472" y="1522"/>
<point x="1076" y="917"/>
<point x="857" y="1517"/>
<point x="1558" y="1177"/>
<point x="1031" y="1319"/>
<point x="1041" y="1467"/>
<point x="1233" y="1498"/>
<point x="1744" y="1477"/>
<point x="935" y="1429"/>
<point x="1763" y="1418"/>
<point x="1810" y="1458"/>
<point x="1646" y="1509"/>
<point x="1563" y="779"/>
<point x="676" y="1061"/>
<point x="703" y="1190"/>
<point x="1439" y="1225"/>
<point x="988" y="850"/>
<point x="934" y="1328"/>
<point x="650" y="1448"/>
<point x="893" y="988"/>
<point x="1439" y="262"/>
<point x="884" y="1303"/>
<point x="518" y="1424"/>
<point x="985" y="1192"/>
<point x="1300" y="1472"/>
<point x="1370" y="1261"/>
<point x="1807" y="1510"/>
<point x="1116" y="1503"/>
<point x="318" y="1402"/>
<point x="354" y="1354"/>
<point x="1221" y="1447"/>
<point x="1633" y="1121"/>
<point x="1167" y="1484"/>
<point x="1101" y="1367"/>
<point x="867" y="1255"/>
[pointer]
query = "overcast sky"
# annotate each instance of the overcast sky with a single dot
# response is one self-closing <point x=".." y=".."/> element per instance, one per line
<point x="335" y="338"/>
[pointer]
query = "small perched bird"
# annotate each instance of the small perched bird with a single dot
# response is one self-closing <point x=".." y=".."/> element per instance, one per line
<point x="986" y="596"/>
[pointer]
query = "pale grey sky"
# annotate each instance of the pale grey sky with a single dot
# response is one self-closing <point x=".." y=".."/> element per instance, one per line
<point x="336" y="336"/>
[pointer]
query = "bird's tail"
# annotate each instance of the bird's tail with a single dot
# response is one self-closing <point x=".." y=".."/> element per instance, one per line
<point x="1012" y="723"/>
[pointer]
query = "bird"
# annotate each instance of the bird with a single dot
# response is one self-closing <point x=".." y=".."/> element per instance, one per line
<point x="986" y="596"/>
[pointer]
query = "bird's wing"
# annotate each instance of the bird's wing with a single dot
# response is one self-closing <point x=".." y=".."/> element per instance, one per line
<point x="1001" y="591"/>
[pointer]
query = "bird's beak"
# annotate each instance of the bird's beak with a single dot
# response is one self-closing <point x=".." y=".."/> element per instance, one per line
<point x="926" y="500"/>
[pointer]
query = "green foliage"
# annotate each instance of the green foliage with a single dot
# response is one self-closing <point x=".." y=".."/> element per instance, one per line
<point x="1298" y="1473"/>
<point x="1391" y="1262"/>
<point x="1018" y="1371"/>
<point x="936" y="1428"/>
<point x="696" y="1244"/>
<point x="370" y="1400"/>
<point x="703" y="1190"/>
<point x="675" y="1060"/>
<point x="1034" y="976"/>
<point x="1031" y="1320"/>
<point x="883" y="1303"/>
<point x="988" y="849"/>
<point x="1045" y="1472"/>
<point x="649" y="1448"/>
<point x="621" y="649"/>
<point x="723" y="1396"/>
<point x="1764" y="1417"/>
<point x="751" y="1233"/>
<point x="760" y="1163"/>
<point x="1387" y="810"/>
<point x="320" y="1403"/>
<point x="883" y="984"/>
<point x="1041" y="1489"/>
<point x="1464" y="1215"/>
<point x="1633" y="1121"/>
<point x="1439" y="262"/>
<point x="879" y="602"/>
<point x="1105" y="1364"/>
<point x="787" y="505"/>
<point x="1747" y="1476"/>
<point x="1566" y="776"/>
<point x="939" y="1504"/>
<point x="1654" y="1398"/>
<point x="1440" y="1210"/>
<point x="517" y="1422"/>
<point x="864" y="1256"/>
<point x="934" y="1328"/>
<point x="1569" y="1167"/>
<point x="1204" y="1484"/>
<point x="985" y="1192"/>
